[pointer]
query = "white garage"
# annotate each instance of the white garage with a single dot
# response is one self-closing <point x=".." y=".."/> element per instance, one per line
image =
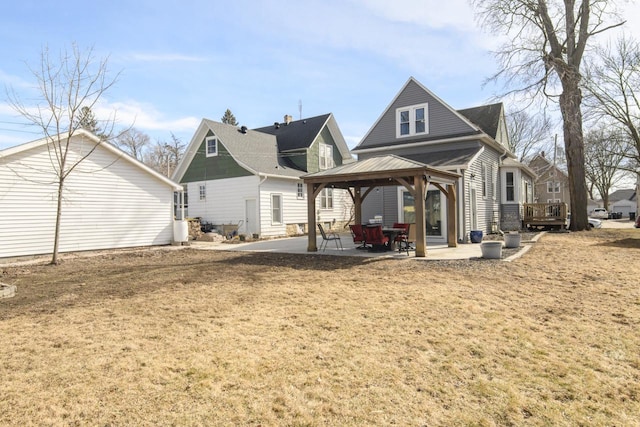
<point x="110" y="199"/>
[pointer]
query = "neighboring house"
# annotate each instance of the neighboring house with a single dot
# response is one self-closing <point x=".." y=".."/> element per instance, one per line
<point x="624" y="201"/>
<point x="110" y="199"/>
<point x="419" y="126"/>
<point x="552" y="183"/>
<point x="252" y="177"/>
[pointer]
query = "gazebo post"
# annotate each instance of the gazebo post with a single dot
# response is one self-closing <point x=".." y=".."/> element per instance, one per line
<point x="451" y="216"/>
<point x="357" y="205"/>
<point x="421" y="233"/>
<point x="311" y="217"/>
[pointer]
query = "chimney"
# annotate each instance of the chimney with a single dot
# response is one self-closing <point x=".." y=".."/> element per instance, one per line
<point x="287" y="119"/>
<point x="542" y="154"/>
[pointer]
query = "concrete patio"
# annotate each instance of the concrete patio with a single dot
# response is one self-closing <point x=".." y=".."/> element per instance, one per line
<point x="298" y="245"/>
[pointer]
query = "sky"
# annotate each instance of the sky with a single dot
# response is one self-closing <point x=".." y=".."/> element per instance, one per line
<point x="178" y="62"/>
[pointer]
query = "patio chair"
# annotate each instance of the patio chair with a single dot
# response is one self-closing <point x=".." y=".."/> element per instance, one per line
<point x="358" y="235"/>
<point x="376" y="238"/>
<point x="406" y="243"/>
<point x="401" y="235"/>
<point x="327" y="236"/>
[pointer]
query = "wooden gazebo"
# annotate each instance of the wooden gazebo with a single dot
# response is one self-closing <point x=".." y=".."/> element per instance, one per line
<point x="361" y="177"/>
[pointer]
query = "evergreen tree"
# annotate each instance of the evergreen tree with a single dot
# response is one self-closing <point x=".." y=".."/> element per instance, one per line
<point x="229" y="118"/>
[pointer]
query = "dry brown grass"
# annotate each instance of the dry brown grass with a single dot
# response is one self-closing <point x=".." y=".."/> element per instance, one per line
<point x="209" y="338"/>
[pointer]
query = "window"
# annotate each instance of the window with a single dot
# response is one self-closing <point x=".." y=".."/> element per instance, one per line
<point x="276" y="209"/>
<point x="510" y="187"/>
<point x="326" y="156"/>
<point x="483" y="173"/>
<point x="412" y="120"/>
<point x="300" y="191"/>
<point x="212" y="146"/>
<point x="553" y="187"/>
<point x="326" y="198"/>
<point x="203" y="192"/>
<point x="494" y="180"/>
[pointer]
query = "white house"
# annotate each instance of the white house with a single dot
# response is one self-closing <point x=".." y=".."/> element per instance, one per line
<point x="251" y="177"/>
<point x="110" y="199"/>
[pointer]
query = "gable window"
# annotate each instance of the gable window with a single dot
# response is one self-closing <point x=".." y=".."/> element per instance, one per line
<point x="510" y="187"/>
<point x="212" y="146"/>
<point x="553" y="187"/>
<point x="300" y="193"/>
<point x="276" y="209"/>
<point x="326" y="156"/>
<point x="203" y="192"/>
<point x="412" y="120"/>
<point x="326" y="198"/>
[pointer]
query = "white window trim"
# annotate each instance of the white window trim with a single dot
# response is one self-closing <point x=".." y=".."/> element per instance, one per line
<point x="206" y="145"/>
<point x="513" y="185"/>
<point x="202" y="192"/>
<point x="300" y="191"/>
<point x="484" y="180"/>
<point x="554" y="186"/>
<point x="273" y="222"/>
<point x="412" y="120"/>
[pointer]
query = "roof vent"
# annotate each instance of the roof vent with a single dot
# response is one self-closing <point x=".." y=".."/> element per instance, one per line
<point x="287" y="119"/>
<point x="243" y="129"/>
<point x="276" y="125"/>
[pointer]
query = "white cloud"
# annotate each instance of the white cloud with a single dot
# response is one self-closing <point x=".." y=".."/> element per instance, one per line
<point x="143" y="116"/>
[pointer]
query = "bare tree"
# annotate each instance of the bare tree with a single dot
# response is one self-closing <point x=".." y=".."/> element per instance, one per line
<point x="528" y="134"/>
<point x="133" y="142"/>
<point x="69" y="87"/>
<point x="546" y="44"/>
<point x="612" y="84"/>
<point x="604" y="155"/>
<point x="164" y="157"/>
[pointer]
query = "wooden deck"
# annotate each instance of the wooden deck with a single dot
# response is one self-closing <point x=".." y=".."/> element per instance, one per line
<point x="545" y="215"/>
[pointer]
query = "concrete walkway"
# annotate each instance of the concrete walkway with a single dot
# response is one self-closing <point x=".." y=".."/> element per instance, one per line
<point x="298" y="245"/>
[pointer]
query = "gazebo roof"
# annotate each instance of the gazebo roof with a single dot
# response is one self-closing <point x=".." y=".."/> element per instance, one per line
<point x="379" y="171"/>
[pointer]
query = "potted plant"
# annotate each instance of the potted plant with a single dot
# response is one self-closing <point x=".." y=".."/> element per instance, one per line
<point x="512" y="239"/>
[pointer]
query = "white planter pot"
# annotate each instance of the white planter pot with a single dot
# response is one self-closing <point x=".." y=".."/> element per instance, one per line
<point x="491" y="249"/>
<point x="512" y="240"/>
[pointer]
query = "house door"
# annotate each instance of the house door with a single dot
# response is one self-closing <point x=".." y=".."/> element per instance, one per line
<point x="435" y="214"/>
<point x="250" y="216"/>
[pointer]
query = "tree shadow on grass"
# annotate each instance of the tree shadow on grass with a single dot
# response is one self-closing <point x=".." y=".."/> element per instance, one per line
<point x="628" y="243"/>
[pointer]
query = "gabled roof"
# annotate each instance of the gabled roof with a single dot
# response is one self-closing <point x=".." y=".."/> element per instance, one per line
<point x="487" y="117"/>
<point x="547" y="165"/>
<point x="516" y="164"/>
<point x="379" y="168"/>
<point x="464" y="125"/>
<point x="297" y="134"/>
<point x="85" y="134"/>
<point x="624" y="194"/>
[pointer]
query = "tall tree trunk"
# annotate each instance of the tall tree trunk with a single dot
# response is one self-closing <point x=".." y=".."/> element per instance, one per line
<point x="56" y="238"/>
<point x="570" y="101"/>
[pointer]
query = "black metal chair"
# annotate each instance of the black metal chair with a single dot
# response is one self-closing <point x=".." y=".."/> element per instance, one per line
<point x="405" y="243"/>
<point x="327" y="236"/>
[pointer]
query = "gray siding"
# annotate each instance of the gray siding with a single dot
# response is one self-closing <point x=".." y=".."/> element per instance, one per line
<point x="443" y="122"/>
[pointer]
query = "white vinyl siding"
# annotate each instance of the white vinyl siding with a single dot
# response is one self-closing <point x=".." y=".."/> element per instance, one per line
<point x="109" y="202"/>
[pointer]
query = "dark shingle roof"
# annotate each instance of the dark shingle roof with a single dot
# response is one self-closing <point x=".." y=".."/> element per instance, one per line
<point x="487" y="117"/>
<point x="298" y="134"/>
<point x="625" y="194"/>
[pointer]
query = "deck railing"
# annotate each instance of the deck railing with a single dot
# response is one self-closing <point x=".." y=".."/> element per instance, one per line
<point x="542" y="213"/>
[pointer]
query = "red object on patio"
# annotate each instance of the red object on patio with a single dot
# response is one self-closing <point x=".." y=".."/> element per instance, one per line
<point x="376" y="238"/>
<point x="358" y="235"/>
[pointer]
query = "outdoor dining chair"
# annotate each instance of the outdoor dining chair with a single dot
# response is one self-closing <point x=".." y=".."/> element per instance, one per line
<point x="407" y="239"/>
<point x="376" y="238"/>
<point x="327" y="236"/>
<point x="357" y="233"/>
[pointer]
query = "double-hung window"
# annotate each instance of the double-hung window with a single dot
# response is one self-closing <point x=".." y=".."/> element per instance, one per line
<point x="300" y="193"/>
<point x="485" y="180"/>
<point x="276" y="209"/>
<point x="211" y="143"/>
<point x="510" y="187"/>
<point x="203" y="192"/>
<point x="326" y="156"/>
<point x="553" y="187"/>
<point x="326" y="198"/>
<point x="413" y="120"/>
